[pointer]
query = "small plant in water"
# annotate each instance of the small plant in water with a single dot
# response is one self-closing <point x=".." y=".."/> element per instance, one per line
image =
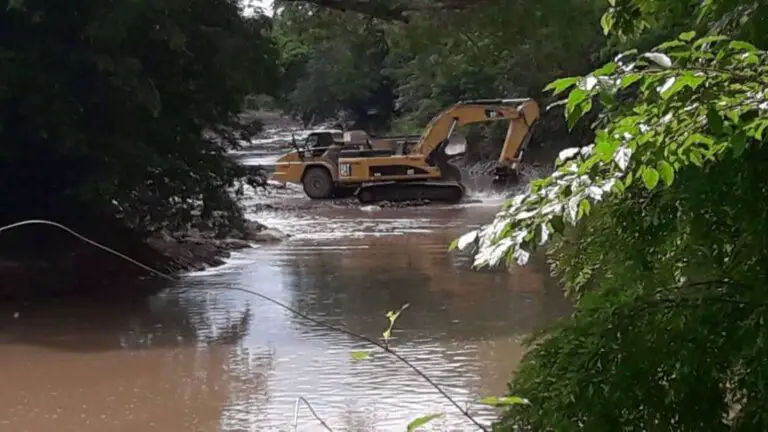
<point x="495" y="401"/>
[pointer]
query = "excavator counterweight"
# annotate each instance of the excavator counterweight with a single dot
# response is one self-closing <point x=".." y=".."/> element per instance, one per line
<point x="409" y="167"/>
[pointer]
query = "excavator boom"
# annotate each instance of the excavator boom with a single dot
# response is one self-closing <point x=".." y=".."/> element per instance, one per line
<point x="522" y="115"/>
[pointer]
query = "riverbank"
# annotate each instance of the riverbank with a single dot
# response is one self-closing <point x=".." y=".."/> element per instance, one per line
<point x="45" y="261"/>
<point x="39" y="261"/>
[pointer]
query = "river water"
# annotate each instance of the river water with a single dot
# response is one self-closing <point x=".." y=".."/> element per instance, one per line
<point x="200" y="357"/>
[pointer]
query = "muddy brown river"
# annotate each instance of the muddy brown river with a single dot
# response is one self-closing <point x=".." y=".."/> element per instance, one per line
<point x="198" y="357"/>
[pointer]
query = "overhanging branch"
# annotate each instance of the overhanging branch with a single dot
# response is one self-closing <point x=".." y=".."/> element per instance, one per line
<point x="395" y="10"/>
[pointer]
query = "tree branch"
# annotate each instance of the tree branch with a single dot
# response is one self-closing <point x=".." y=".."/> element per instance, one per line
<point x="396" y="10"/>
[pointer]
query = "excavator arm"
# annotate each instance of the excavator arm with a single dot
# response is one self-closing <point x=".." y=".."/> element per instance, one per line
<point x="522" y="115"/>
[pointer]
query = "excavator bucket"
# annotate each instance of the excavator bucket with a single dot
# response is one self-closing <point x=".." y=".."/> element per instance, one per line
<point x="505" y="182"/>
<point x="457" y="145"/>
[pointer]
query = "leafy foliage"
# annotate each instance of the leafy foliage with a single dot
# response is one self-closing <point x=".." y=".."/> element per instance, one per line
<point x="406" y="73"/>
<point x="694" y="102"/>
<point x="333" y="64"/>
<point x="657" y="230"/>
<point x="126" y="107"/>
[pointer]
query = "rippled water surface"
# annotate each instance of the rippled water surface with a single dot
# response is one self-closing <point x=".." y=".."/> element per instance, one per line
<point x="200" y="357"/>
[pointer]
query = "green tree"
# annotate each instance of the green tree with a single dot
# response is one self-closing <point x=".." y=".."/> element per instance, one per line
<point x="658" y="231"/>
<point x="410" y="60"/>
<point x="125" y="108"/>
<point x="333" y="64"/>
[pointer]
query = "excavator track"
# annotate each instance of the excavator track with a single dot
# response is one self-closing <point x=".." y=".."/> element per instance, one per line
<point x="436" y="191"/>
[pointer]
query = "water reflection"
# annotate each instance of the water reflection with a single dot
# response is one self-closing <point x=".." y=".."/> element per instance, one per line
<point x="137" y="364"/>
<point x="464" y="328"/>
<point x="200" y="357"/>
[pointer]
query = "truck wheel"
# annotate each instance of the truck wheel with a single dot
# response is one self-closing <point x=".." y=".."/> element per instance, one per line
<point x="318" y="183"/>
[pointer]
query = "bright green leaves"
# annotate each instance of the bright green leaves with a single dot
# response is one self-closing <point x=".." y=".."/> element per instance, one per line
<point x="560" y="85"/>
<point x="694" y="101"/>
<point x="605" y="146"/>
<point x="421" y="421"/>
<point x="650" y="177"/>
<point x="360" y="355"/>
<point x="584" y="208"/>
<point x="666" y="172"/>
<point x="504" y="401"/>
<point x="629" y="79"/>
<point x="607" y="20"/>
<point x="607" y="69"/>
<point x="687" y="36"/>
<point x="578" y="104"/>
<point x="742" y="46"/>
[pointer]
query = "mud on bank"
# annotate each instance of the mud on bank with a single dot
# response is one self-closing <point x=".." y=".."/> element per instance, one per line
<point x="40" y="261"/>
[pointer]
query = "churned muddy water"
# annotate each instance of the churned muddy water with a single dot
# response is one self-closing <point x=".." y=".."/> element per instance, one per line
<point x="198" y="357"/>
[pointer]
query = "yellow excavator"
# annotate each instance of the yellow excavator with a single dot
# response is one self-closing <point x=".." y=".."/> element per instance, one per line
<point x="407" y="168"/>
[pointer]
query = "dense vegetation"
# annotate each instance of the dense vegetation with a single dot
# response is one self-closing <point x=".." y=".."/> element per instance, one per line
<point x="124" y="109"/>
<point x="658" y="230"/>
<point x="386" y="75"/>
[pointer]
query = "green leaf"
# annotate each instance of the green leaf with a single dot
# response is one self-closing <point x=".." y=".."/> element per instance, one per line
<point x="630" y="79"/>
<point x="666" y="172"/>
<point x="734" y="116"/>
<point x="714" y="120"/>
<point x="696" y="158"/>
<point x="669" y="44"/>
<point x="608" y="20"/>
<point x="606" y="69"/>
<point x="628" y="179"/>
<point x="707" y="40"/>
<point x="360" y="355"/>
<point x="421" y="421"/>
<point x="751" y="59"/>
<point x="700" y="139"/>
<point x="584" y="207"/>
<point x="650" y="177"/>
<point x="687" y="36"/>
<point x="760" y="129"/>
<point x="605" y="147"/>
<point x="738" y="143"/>
<point x="574" y="99"/>
<point x="578" y="104"/>
<point x="742" y="46"/>
<point x="504" y="401"/>
<point x="607" y="98"/>
<point x="558" y="86"/>
<point x="671" y="86"/>
<point x="557" y="224"/>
